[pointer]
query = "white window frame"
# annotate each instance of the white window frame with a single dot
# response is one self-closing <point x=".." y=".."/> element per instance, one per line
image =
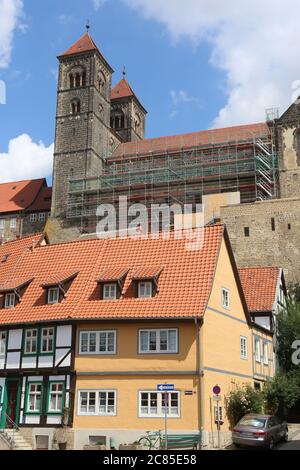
<point x="13" y="222"/>
<point x="257" y="349"/>
<point x="158" y="349"/>
<point x="42" y="216"/>
<point x="112" y="291"/>
<point x="10" y="300"/>
<point x="244" y="347"/>
<point x="160" y="410"/>
<point x="98" y="334"/>
<point x="55" y="299"/>
<point x="33" y="217"/>
<point x="143" y="286"/>
<point x="3" y="341"/>
<point x="225" y="298"/>
<point x="97" y="402"/>
<point x="57" y="394"/>
<point x="47" y="336"/>
<point x="32" y="339"/>
<point x="266" y="353"/>
<point x="35" y="394"/>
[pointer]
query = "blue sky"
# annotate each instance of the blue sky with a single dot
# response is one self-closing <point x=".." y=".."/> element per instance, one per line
<point x="155" y="67"/>
<point x="194" y="64"/>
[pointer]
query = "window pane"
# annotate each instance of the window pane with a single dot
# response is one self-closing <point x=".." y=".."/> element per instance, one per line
<point x="83" y="402"/>
<point x="144" y="340"/>
<point x="163" y="340"/>
<point x="172" y="335"/>
<point x="84" y="342"/>
<point x="92" y="347"/>
<point x="92" y="402"/>
<point x="152" y="341"/>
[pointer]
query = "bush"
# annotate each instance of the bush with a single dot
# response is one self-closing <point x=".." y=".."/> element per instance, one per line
<point x="241" y="401"/>
<point x="282" y="393"/>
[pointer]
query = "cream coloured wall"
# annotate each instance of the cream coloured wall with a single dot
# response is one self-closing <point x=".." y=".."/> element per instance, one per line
<point x="127" y="403"/>
<point x="127" y="358"/>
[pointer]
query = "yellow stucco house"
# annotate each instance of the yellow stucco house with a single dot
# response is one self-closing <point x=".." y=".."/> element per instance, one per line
<point x="90" y="328"/>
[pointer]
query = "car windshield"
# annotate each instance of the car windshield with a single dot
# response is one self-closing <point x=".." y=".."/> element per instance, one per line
<point x="253" y="422"/>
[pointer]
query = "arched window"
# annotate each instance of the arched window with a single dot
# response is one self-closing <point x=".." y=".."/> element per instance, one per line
<point x="83" y="79"/>
<point x="75" y="107"/>
<point x="117" y="120"/>
<point x="77" y="80"/>
<point x="72" y="81"/>
<point x="101" y="83"/>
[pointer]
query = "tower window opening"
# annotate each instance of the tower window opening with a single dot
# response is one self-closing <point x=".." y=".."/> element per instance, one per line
<point x="273" y="224"/>
<point x="83" y="79"/>
<point x="75" y="108"/>
<point x="72" y="81"/>
<point x="77" y="80"/>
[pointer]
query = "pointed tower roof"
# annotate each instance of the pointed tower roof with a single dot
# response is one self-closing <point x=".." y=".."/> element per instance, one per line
<point x="124" y="90"/>
<point x="84" y="44"/>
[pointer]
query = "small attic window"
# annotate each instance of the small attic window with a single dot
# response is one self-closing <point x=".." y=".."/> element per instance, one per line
<point x="14" y="187"/>
<point x="5" y="258"/>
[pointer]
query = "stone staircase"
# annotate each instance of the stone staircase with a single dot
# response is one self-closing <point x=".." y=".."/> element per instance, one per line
<point x="14" y="440"/>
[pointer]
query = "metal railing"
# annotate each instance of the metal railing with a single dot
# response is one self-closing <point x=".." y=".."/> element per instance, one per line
<point x="9" y="439"/>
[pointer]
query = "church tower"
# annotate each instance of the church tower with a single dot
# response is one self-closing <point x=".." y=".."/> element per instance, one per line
<point x="82" y="137"/>
<point x="127" y="113"/>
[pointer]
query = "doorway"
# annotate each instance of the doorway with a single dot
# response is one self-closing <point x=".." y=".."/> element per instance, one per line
<point x="11" y="402"/>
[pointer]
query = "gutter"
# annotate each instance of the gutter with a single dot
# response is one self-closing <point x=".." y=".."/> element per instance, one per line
<point x="200" y="374"/>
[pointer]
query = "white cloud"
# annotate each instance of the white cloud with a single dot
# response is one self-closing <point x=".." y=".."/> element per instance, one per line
<point x="98" y="4"/>
<point x="11" y="12"/>
<point x="253" y="42"/>
<point x="25" y="159"/>
<point x="182" y="96"/>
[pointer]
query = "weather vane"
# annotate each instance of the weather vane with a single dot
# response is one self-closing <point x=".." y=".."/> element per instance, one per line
<point x="124" y="71"/>
<point x="88" y="25"/>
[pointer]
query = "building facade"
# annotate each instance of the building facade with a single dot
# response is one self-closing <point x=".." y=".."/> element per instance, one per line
<point x="24" y="208"/>
<point x="89" y="329"/>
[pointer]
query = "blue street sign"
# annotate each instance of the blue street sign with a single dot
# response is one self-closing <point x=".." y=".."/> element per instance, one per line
<point x="165" y="387"/>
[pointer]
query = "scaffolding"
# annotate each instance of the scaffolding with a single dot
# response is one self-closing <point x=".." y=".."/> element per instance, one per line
<point x="180" y="172"/>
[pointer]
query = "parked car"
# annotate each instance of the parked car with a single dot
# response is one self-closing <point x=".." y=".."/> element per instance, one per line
<point x="259" y="431"/>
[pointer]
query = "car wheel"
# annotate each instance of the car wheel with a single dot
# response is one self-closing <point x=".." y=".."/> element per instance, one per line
<point x="286" y="437"/>
<point x="271" y="444"/>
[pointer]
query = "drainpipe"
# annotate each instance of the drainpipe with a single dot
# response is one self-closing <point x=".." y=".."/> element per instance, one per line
<point x="199" y="365"/>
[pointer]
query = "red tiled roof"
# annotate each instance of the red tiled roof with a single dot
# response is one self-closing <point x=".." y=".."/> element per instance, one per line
<point x="84" y="44"/>
<point x="147" y="272"/>
<point x="19" y="195"/>
<point x="59" y="278"/>
<point x="16" y="249"/>
<point x="122" y="90"/>
<point x="113" y="274"/>
<point x="14" y="284"/>
<point x="42" y="202"/>
<point x="185" y="282"/>
<point x="260" y="285"/>
<point x="185" y="141"/>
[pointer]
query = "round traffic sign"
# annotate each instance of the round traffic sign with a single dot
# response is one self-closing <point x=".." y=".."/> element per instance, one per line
<point x="217" y="390"/>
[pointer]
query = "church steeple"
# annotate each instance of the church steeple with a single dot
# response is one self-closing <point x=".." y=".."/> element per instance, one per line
<point x="84" y="44"/>
<point x="127" y="112"/>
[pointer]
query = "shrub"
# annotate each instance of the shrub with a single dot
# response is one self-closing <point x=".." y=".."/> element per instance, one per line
<point x="241" y="401"/>
<point x="282" y="393"/>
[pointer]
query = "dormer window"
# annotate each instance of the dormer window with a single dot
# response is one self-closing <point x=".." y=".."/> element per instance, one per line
<point x="111" y="283"/>
<point x="13" y="291"/>
<point x="53" y="295"/>
<point x="109" y="291"/>
<point x="56" y="287"/>
<point x="10" y="300"/>
<point x="145" y="289"/>
<point x="146" y="280"/>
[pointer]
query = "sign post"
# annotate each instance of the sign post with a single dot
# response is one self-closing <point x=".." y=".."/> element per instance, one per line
<point x="217" y="399"/>
<point x="165" y="388"/>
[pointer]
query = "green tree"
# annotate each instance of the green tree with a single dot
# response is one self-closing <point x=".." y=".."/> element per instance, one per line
<point x="242" y="401"/>
<point x="288" y="330"/>
<point x="282" y="393"/>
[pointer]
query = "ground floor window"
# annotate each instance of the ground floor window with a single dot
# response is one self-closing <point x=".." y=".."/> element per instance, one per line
<point x="152" y="404"/>
<point x="34" y="397"/>
<point x="56" y="397"/>
<point x="97" y="402"/>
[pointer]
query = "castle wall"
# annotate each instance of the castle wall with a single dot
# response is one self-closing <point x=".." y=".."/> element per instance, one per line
<point x="270" y="242"/>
